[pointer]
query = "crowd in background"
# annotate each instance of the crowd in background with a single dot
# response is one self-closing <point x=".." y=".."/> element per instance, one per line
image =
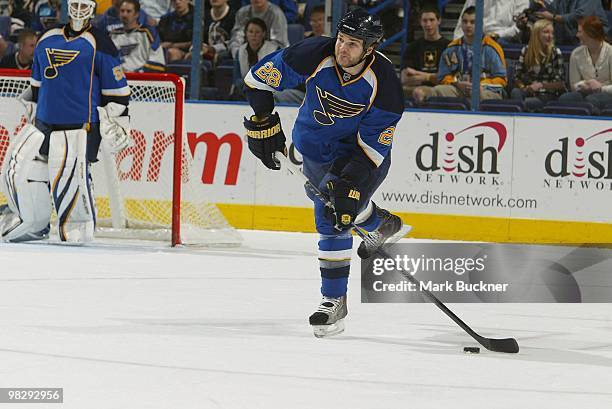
<point x="558" y="52"/>
<point x="533" y="51"/>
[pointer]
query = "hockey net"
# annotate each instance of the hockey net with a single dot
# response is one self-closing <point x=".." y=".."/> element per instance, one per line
<point x="151" y="190"/>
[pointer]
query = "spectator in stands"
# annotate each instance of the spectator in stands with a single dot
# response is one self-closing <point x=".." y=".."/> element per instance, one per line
<point x="176" y="30"/>
<point x="499" y="20"/>
<point x="317" y="24"/>
<point x="21" y="59"/>
<point x="389" y="16"/>
<point x="46" y="15"/>
<point x="139" y="46"/>
<point x="254" y="49"/>
<point x="156" y="8"/>
<point x="591" y="66"/>
<point x="317" y="21"/>
<point x="110" y="20"/>
<point x="539" y="74"/>
<point x="219" y="20"/>
<point x="289" y="7"/>
<point x="271" y="14"/>
<point x="20" y="11"/>
<point x="5" y="8"/>
<point x="455" y="70"/>
<point x="420" y="62"/>
<point x="4" y="11"/>
<point x="102" y="6"/>
<point x="565" y="14"/>
<point x="234" y="4"/>
<point x="3" y="46"/>
<point x="305" y="8"/>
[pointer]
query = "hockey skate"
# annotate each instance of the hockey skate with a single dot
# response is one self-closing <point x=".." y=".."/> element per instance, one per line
<point x="391" y="229"/>
<point x="328" y="319"/>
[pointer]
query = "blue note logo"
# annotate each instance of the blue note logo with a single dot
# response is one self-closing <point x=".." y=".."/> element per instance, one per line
<point x="334" y="107"/>
<point x="57" y="58"/>
<point x="127" y="49"/>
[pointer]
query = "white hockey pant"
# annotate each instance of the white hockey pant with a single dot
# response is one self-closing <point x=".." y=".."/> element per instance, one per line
<point x="25" y="183"/>
<point x="71" y="186"/>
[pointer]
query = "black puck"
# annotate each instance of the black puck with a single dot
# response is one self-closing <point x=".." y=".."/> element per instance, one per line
<point x="471" y="350"/>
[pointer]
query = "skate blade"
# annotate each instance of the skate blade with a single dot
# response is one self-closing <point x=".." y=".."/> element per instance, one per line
<point x="323" y="331"/>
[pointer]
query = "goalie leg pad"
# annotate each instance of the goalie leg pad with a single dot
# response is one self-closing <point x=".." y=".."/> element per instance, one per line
<point x="71" y="187"/>
<point x="25" y="182"/>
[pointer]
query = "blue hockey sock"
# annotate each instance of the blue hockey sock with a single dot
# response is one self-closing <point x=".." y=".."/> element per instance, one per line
<point x="334" y="287"/>
<point x="335" y="263"/>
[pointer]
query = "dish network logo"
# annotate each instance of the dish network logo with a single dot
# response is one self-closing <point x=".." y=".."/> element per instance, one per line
<point x="591" y="162"/>
<point x="464" y="157"/>
<point x="161" y="146"/>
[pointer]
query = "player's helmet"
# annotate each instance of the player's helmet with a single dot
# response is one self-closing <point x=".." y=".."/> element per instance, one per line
<point x="80" y="11"/>
<point x="360" y="24"/>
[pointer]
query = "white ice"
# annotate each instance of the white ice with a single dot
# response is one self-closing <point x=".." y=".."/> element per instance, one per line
<point x="131" y="326"/>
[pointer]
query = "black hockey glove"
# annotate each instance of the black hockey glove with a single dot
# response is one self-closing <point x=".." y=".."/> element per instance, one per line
<point x="265" y="138"/>
<point x="345" y="198"/>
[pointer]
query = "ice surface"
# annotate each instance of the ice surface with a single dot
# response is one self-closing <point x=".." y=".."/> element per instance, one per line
<point x="142" y="326"/>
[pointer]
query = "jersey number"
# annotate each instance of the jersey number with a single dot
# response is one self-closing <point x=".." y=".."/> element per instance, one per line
<point x="270" y="75"/>
<point x="386" y="136"/>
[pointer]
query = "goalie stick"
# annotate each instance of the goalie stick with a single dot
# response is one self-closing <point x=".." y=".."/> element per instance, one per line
<point x="507" y="345"/>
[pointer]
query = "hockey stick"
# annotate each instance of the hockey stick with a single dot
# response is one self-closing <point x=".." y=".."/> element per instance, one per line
<point x="508" y="345"/>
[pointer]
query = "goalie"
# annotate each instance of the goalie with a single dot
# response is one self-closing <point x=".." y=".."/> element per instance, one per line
<point x="80" y="96"/>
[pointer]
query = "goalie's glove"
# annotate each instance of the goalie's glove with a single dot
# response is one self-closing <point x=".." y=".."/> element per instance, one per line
<point x="265" y="138"/>
<point x="114" y="127"/>
<point x="345" y="197"/>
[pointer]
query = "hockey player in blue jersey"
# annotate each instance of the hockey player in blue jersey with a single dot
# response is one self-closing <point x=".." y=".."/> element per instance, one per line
<point x="344" y="131"/>
<point x="81" y="96"/>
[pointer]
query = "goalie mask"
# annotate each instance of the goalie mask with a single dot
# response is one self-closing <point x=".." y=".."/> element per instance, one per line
<point x="80" y="12"/>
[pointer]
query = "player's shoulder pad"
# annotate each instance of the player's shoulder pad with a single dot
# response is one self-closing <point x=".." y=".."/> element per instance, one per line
<point x="305" y="56"/>
<point x="389" y="93"/>
<point x="488" y="41"/>
<point x="104" y="44"/>
<point x="51" y="32"/>
<point x="455" y="42"/>
<point x="151" y="33"/>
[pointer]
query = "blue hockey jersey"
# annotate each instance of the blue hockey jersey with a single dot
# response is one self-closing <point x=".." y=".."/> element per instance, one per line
<point x="74" y="75"/>
<point x="341" y="113"/>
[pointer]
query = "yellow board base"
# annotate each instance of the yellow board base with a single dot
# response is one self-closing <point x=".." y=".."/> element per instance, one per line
<point x="425" y="226"/>
<point x="430" y="226"/>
